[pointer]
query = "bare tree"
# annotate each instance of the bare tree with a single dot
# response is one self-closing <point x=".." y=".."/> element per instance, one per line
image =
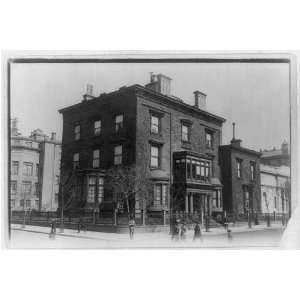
<point x="128" y="182"/>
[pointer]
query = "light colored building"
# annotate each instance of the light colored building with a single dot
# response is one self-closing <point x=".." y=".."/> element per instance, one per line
<point x="275" y="189"/>
<point x="35" y="168"/>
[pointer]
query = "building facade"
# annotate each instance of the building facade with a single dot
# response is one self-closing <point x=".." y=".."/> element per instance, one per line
<point x="35" y="169"/>
<point x="240" y="169"/>
<point x="174" y="144"/>
<point x="275" y="189"/>
<point x="276" y="180"/>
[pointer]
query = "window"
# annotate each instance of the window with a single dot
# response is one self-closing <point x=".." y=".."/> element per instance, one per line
<point x="37" y="170"/>
<point x="265" y="198"/>
<point x="96" y="158"/>
<point x="75" y="160"/>
<point x="155" y="157"/>
<point x="37" y="204"/>
<point x="185" y="133"/>
<point x="93" y="192"/>
<point x="188" y="165"/>
<point x="27" y="169"/>
<point x="36" y="189"/>
<point x="252" y="170"/>
<point x="56" y="198"/>
<point x="22" y="203"/>
<point x="160" y="195"/>
<point x="209" y="140"/>
<point x="118" y="122"/>
<point x="100" y="189"/>
<point x="155" y="124"/>
<point x="275" y="202"/>
<point x="13" y="187"/>
<point x="15" y="168"/>
<point x="198" y="173"/>
<point x="246" y="198"/>
<point x="26" y="188"/>
<point x="198" y="169"/>
<point x="77" y="132"/>
<point x="92" y="189"/>
<point x="118" y="155"/>
<point x="97" y="127"/>
<point x="12" y="203"/>
<point x="202" y="170"/>
<point x="28" y="203"/>
<point x="239" y="168"/>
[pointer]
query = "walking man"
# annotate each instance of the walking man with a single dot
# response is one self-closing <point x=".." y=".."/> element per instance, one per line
<point x="197" y="232"/>
<point x="131" y="225"/>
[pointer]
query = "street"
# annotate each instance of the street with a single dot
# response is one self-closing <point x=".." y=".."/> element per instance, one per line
<point x="38" y="237"/>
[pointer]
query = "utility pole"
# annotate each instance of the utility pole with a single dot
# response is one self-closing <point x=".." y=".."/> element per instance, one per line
<point x="62" y="211"/>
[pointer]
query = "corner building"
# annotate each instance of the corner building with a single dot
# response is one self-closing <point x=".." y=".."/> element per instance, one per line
<point x="176" y="143"/>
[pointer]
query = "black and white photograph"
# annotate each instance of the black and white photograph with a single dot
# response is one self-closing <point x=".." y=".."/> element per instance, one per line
<point x="150" y="151"/>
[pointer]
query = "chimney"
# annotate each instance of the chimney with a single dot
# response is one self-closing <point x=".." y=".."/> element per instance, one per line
<point x="234" y="141"/>
<point x="160" y="83"/>
<point x="53" y="136"/>
<point x="200" y="100"/>
<point x="89" y="92"/>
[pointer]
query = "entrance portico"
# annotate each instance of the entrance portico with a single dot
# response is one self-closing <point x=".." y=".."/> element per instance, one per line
<point x="198" y="203"/>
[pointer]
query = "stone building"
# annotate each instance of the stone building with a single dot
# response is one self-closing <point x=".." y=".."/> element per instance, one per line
<point x="276" y="180"/>
<point x="176" y="144"/>
<point x="35" y="164"/>
<point x="275" y="189"/>
<point x="276" y="157"/>
<point x="240" y="173"/>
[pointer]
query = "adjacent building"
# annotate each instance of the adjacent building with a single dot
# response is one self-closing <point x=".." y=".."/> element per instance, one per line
<point x="276" y="180"/>
<point x="277" y="157"/>
<point x="275" y="189"/>
<point x="174" y="143"/>
<point x="240" y="172"/>
<point x="35" y="169"/>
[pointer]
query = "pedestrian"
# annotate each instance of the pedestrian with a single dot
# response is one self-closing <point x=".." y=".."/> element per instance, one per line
<point x="176" y="230"/>
<point x="197" y="232"/>
<point x="131" y="225"/>
<point x="53" y="229"/>
<point x="53" y="226"/>
<point x="80" y="225"/>
<point x="183" y="231"/>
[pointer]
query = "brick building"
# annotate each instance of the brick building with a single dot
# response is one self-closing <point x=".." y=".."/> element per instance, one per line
<point x="175" y="143"/>
<point x="35" y="167"/>
<point x="240" y="169"/>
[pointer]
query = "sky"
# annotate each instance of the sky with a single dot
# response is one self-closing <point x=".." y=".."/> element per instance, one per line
<point x="253" y="95"/>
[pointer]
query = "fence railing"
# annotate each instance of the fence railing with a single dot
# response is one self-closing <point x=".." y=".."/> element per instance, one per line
<point x="141" y="218"/>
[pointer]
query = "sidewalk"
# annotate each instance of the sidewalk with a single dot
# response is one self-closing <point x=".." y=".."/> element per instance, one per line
<point x="142" y="236"/>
